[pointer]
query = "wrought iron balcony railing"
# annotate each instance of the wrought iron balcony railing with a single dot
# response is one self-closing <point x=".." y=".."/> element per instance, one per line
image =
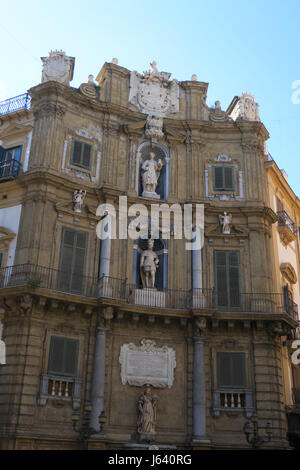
<point x="118" y="289"/>
<point x="10" y="169"/>
<point x="284" y="220"/>
<point x="17" y="103"/>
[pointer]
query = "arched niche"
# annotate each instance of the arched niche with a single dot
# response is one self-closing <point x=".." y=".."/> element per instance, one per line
<point x="162" y="153"/>
<point x="160" y="247"/>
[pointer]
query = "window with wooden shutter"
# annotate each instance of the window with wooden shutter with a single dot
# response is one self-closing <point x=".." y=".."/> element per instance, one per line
<point x="63" y="356"/>
<point x="227" y="278"/>
<point x="231" y="370"/>
<point x="223" y="178"/>
<point x="81" y="154"/>
<point x="72" y="261"/>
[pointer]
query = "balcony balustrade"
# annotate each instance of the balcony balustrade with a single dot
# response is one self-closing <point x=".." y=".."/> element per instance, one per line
<point x="118" y="290"/>
<point x="59" y="388"/>
<point x="17" y="103"/>
<point x="232" y="401"/>
<point x="286" y="227"/>
<point x="10" y="169"/>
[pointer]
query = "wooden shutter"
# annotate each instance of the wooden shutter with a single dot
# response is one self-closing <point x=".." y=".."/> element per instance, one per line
<point x="72" y="261"/>
<point x="218" y="178"/>
<point x="231" y="370"/>
<point x="221" y="278"/>
<point x="63" y="356"/>
<point x="227" y="278"/>
<point x="70" y="357"/>
<point x="78" y="261"/>
<point x="81" y="154"/>
<point x="86" y="155"/>
<point x="56" y="354"/>
<point x="228" y="178"/>
<point x="234" y="278"/>
<point x="76" y="152"/>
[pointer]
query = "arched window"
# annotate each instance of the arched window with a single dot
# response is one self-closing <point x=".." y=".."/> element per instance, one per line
<point x="161" y="153"/>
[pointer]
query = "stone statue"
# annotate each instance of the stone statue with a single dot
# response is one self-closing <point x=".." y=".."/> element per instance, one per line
<point x="154" y="127"/>
<point x="151" y="169"/>
<point x="147" y="414"/>
<point x="78" y="198"/>
<point x="148" y="266"/>
<point x="58" y="67"/>
<point x="225" y="221"/>
<point x="2" y="347"/>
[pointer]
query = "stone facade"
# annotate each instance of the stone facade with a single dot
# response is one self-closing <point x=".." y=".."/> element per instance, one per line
<point x="37" y="303"/>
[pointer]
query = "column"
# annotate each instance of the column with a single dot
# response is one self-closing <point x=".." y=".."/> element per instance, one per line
<point x="199" y="402"/>
<point x="97" y="395"/>
<point x="105" y="258"/>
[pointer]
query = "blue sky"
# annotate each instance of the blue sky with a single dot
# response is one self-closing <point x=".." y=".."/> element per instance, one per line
<point x="234" y="45"/>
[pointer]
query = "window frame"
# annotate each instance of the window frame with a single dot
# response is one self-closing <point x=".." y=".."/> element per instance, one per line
<point x="60" y="270"/>
<point x="242" y="386"/>
<point x="223" y="189"/>
<point x="83" y="144"/>
<point x="54" y="373"/>
<point x="229" y="300"/>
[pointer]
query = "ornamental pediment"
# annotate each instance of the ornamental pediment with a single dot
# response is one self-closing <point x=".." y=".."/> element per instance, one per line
<point x="288" y="272"/>
<point x="215" y="231"/>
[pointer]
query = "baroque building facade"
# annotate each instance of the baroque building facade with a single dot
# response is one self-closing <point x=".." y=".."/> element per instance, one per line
<point x="141" y="342"/>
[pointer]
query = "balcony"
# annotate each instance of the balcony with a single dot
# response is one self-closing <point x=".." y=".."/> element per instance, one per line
<point x="225" y="400"/>
<point x="10" y="169"/>
<point x="114" y="289"/>
<point x="286" y="228"/>
<point x="15" y="104"/>
<point x="64" y="389"/>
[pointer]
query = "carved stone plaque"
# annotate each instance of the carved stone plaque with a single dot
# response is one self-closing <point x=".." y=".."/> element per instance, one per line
<point x="147" y="364"/>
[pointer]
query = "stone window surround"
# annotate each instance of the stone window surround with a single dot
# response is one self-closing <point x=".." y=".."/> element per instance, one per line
<point x="216" y="391"/>
<point x="237" y="193"/>
<point x="43" y="395"/>
<point x="92" y="174"/>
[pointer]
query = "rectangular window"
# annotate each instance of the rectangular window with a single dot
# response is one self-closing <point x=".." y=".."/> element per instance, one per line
<point x="63" y="356"/>
<point x="227" y="278"/>
<point x="223" y="178"/>
<point x="231" y="370"/>
<point x="10" y="161"/>
<point x="81" y="154"/>
<point x="72" y="261"/>
<point x="279" y="205"/>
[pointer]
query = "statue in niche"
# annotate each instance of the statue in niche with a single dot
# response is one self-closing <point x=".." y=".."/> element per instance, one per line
<point x="225" y="221"/>
<point x="148" y="266"/>
<point x="151" y="169"/>
<point x="147" y="414"/>
<point x="78" y="198"/>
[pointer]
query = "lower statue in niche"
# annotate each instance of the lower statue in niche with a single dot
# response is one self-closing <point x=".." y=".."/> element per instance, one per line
<point x="146" y="414"/>
<point x="151" y="169"/>
<point x="148" y="266"/>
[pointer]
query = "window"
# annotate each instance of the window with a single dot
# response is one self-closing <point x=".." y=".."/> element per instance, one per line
<point x="63" y="356"/>
<point x="231" y="370"/>
<point x="223" y="178"/>
<point x="81" y="154"/>
<point x="72" y="261"/>
<point x="279" y="205"/>
<point x="10" y="161"/>
<point x="227" y="278"/>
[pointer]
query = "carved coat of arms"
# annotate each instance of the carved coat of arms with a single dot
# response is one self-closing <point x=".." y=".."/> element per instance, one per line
<point x="154" y="94"/>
